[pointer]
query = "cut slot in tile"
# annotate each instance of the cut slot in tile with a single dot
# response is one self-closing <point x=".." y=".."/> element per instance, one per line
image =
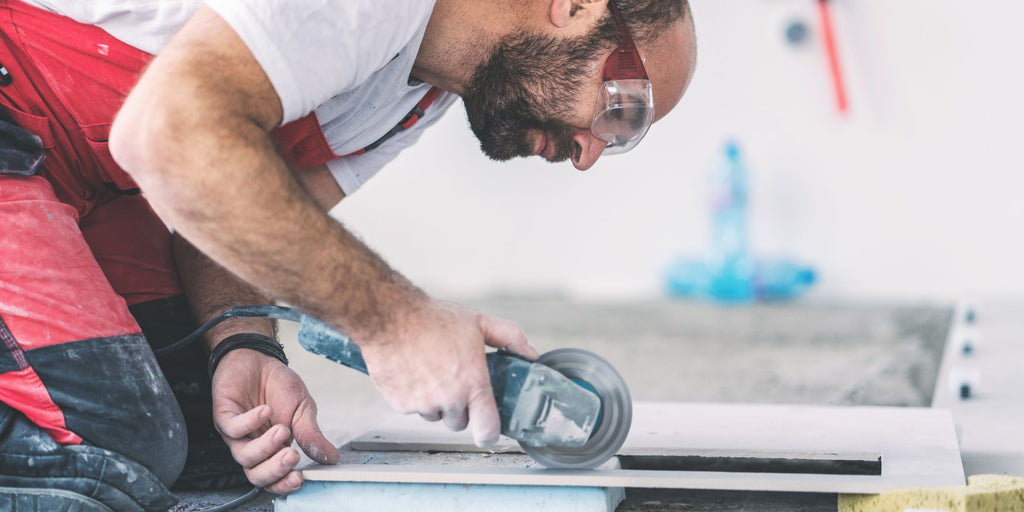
<point x="836" y="465"/>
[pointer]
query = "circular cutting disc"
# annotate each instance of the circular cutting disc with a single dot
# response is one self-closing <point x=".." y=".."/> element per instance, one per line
<point x="598" y="376"/>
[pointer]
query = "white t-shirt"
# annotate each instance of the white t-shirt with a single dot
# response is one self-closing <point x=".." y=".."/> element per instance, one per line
<point x="349" y="60"/>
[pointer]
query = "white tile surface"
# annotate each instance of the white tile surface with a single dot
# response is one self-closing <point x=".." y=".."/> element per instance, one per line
<point x="918" y="448"/>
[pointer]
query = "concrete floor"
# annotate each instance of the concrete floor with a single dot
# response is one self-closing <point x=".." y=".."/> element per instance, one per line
<point x="808" y="353"/>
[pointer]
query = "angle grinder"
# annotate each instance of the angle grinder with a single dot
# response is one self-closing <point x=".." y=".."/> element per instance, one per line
<point x="568" y="409"/>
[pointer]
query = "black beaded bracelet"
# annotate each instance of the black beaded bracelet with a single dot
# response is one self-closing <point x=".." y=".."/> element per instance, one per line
<point x="251" y="341"/>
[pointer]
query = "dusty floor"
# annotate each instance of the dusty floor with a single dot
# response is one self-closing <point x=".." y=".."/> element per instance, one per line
<point x="814" y="353"/>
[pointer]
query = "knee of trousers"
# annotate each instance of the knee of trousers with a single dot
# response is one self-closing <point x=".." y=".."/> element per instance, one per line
<point x="158" y="440"/>
<point x="163" y="451"/>
<point x="114" y="396"/>
<point x="31" y="461"/>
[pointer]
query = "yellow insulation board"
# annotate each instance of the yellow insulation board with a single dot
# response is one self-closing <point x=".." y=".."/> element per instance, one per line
<point x="983" y="493"/>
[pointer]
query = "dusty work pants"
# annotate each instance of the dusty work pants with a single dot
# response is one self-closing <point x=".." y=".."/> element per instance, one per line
<point x="83" y="262"/>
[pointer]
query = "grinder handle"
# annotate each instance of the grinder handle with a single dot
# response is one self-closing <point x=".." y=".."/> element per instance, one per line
<point x="320" y="338"/>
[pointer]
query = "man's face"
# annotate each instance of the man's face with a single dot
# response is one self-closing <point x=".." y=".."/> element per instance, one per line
<point x="529" y="95"/>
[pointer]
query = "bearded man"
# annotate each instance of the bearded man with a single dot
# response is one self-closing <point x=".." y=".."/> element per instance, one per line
<point x="239" y="123"/>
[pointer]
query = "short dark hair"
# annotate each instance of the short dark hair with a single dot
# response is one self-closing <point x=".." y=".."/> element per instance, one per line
<point x="646" y="19"/>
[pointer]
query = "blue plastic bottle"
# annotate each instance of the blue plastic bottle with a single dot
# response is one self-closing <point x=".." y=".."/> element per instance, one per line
<point x="728" y="261"/>
<point x="782" y="279"/>
<point x="728" y="272"/>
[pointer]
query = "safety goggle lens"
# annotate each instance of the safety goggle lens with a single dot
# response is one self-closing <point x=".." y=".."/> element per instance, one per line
<point x="625" y="112"/>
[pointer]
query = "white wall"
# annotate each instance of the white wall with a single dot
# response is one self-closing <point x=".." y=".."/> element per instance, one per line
<point x="915" y="194"/>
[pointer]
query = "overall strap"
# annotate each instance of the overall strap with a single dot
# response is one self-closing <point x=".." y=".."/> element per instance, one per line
<point x="303" y="144"/>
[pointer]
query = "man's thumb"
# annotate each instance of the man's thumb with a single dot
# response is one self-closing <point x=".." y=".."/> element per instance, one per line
<point x="315" y="444"/>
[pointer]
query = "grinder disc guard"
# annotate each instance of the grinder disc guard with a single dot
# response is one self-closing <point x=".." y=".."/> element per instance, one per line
<point x="598" y="376"/>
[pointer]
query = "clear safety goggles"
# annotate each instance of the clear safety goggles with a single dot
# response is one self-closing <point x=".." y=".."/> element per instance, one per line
<point x="625" y="106"/>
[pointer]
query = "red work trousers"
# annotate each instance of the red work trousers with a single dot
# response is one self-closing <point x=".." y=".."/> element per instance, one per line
<point x="78" y="244"/>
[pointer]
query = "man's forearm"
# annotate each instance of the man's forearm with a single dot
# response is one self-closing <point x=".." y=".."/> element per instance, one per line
<point x="201" y="153"/>
<point x="212" y="290"/>
<point x="293" y="251"/>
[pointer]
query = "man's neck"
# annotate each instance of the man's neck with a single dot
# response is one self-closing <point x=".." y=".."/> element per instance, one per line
<point x="459" y="36"/>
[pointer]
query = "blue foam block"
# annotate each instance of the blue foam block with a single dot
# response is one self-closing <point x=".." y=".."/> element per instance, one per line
<point x="373" y="496"/>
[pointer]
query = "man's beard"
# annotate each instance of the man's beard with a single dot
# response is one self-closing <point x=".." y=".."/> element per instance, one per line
<point x="530" y="82"/>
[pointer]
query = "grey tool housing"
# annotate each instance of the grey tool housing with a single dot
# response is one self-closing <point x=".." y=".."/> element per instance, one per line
<point x="538" y="406"/>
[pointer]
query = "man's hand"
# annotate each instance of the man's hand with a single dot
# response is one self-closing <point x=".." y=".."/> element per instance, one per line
<point x="435" y="366"/>
<point x="259" y="405"/>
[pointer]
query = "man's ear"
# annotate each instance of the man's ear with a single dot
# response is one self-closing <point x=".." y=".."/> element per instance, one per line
<point x="567" y="12"/>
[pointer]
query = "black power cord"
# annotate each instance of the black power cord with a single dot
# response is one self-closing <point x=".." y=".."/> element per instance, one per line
<point x="245" y="498"/>
<point x="263" y="311"/>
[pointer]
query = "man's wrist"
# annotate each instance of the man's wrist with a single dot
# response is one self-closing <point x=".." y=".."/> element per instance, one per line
<point x="248" y="340"/>
<point x="387" y="321"/>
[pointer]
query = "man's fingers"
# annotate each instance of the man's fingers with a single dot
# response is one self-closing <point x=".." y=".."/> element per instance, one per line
<point x="506" y="334"/>
<point x="483" y="417"/>
<point x="312" y="440"/>
<point x="253" y="453"/>
<point x="287" y="485"/>
<point x="456" y="418"/>
<point x="237" y="426"/>
<point x="270" y="472"/>
<point x="431" y="416"/>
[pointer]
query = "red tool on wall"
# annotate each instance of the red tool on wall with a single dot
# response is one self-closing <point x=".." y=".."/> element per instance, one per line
<point x="832" y="54"/>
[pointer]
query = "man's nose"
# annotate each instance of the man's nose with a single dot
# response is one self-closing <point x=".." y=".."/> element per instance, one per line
<point x="590" y="149"/>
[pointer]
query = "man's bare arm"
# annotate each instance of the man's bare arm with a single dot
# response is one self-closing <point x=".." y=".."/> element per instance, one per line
<point x="248" y="382"/>
<point x="194" y="135"/>
<point x="259" y="404"/>
<point x="212" y="290"/>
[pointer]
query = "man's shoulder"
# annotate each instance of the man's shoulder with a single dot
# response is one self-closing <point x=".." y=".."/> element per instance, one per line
<point x="315" y="50"/>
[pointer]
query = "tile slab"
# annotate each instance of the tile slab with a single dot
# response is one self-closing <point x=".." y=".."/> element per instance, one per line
<point x="918" y="447"/>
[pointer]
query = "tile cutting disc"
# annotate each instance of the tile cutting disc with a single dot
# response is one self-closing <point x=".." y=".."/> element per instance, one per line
<point x="599" y="377"/>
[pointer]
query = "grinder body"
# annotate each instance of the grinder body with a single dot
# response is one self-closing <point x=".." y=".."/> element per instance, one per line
<point x="537" y="405"/>
<point x="558" y="417"/>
